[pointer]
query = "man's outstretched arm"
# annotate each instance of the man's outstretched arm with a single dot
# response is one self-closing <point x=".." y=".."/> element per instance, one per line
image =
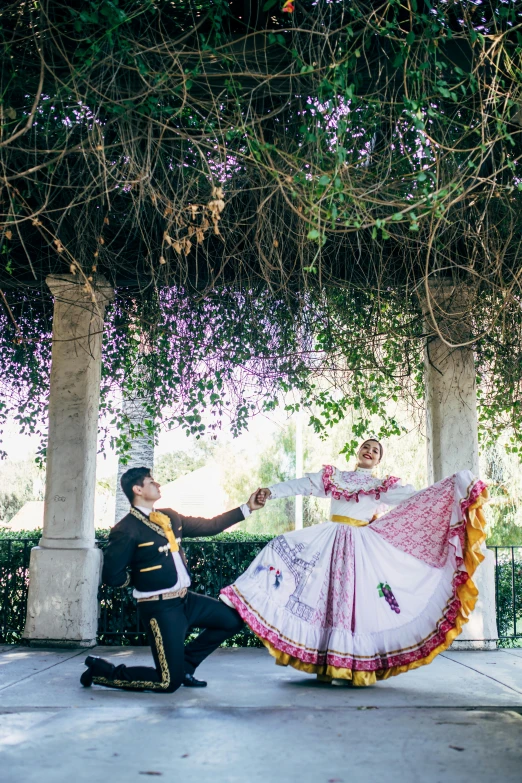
<point x="199" y="526"/>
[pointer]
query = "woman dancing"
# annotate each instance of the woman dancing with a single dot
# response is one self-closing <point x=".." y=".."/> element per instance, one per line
<point x="363" y="597"/>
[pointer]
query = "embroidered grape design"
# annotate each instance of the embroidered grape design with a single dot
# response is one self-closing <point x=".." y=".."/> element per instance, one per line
<point x="386" y="592"/>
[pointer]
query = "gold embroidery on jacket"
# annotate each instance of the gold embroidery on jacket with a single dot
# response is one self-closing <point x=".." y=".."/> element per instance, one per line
<point x="126" y="582"/>
<point x="146" y="521"/>
<point x="147" y="543"/>
<point x="142" y="684"/>
<point x="150" y="568"/>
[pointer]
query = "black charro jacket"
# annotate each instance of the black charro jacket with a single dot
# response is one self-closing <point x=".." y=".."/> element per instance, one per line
<point x="138" y="553"/>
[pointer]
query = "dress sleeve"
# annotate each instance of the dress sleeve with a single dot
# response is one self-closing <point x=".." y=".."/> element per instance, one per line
<point x="398" y="494"/>
<point x="309" y="484"/>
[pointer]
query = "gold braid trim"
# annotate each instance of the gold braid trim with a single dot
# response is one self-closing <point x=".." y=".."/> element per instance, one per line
<point x="143" y="684"/>
<point x="126" y="582"/>
<point x="146" y="521"/>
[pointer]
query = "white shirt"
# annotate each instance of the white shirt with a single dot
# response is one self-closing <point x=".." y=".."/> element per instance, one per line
<point x="363" y="509"/>
<point x="183" y="577"/>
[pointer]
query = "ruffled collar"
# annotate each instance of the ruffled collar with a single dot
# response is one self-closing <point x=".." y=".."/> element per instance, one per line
<point x="365" y="471"/>
<point x="350" y="484"/>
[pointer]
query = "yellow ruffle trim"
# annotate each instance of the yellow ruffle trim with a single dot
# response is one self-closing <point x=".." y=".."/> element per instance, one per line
<point x="466" y="592"/>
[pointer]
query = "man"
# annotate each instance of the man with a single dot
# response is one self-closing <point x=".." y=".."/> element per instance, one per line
<point x="144" y="550"/>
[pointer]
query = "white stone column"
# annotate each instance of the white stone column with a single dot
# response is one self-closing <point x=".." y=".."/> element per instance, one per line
<point x="65" y="568"/>
<point x="452" y="427"/>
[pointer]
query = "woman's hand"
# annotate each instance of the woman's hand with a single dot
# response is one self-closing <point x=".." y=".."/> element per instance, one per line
<point x="263" y="495"/>
<point x="256" y="500"/>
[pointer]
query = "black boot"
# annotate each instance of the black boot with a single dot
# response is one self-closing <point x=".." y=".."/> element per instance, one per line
<point x="189" y="681"/>
<point x="96" y="667"/>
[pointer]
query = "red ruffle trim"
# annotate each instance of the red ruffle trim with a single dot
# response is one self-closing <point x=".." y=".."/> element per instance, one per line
<point x="380" y="662"/>
<point x="476" y="491"/>
<point x="337" y="493"/>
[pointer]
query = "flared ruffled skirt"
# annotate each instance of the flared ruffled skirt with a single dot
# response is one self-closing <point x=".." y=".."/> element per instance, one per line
<point x="366" y="603"/>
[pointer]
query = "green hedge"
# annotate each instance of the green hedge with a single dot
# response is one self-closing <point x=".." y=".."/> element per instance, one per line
<point x="214" y="563"/>
<point x="14" y="582"/>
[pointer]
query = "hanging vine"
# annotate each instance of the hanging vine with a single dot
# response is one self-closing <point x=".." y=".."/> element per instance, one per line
<point x="272" y="189"/>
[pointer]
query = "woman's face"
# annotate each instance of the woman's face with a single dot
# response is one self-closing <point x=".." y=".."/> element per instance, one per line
<point x="369" y="454"/>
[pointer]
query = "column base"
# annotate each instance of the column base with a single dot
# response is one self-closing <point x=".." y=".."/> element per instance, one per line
<point x="474" y="644"/>
<point x="59" y="643"/>
<point x="62" y="606"/>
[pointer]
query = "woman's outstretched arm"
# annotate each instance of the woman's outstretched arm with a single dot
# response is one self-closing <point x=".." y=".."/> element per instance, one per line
<point x="309" y="484"/>
<point x="398" y="494"/>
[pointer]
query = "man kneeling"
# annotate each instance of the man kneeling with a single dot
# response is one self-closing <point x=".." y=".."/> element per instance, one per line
<point x="144" y="550"/>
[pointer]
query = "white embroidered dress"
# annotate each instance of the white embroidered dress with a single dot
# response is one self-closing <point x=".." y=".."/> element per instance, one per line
<point x="365" y="601"/>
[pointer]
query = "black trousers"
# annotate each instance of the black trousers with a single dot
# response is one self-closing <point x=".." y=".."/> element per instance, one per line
<point x="167" y="624"/>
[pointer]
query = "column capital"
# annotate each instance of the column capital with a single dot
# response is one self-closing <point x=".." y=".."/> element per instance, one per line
<point x="73" y="290"/>
<point x="447" y="307"/>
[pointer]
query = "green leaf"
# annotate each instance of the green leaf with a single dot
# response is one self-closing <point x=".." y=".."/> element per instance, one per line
<point x="397" y="216"/>
<point x="313" y="234"/>
<point x="269" y="4"/>
<point x="324" y="180"/>
<point x="410" y="38"/>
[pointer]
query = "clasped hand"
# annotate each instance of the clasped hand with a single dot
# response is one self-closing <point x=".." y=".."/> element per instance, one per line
<point x="258" y="498"/>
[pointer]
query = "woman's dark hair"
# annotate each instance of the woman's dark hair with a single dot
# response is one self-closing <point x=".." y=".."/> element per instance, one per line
<point x="373" y="440"/>
<point x="132" y="477"/>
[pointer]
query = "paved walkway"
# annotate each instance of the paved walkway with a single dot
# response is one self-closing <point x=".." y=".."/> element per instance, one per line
<point x="459" y="719"/>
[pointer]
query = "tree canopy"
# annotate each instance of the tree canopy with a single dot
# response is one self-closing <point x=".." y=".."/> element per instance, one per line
<point x="270" y="193"/>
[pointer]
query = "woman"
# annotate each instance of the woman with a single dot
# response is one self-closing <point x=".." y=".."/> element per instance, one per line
<point x="362" y="597"/>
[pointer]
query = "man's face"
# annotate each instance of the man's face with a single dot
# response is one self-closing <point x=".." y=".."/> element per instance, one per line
<point x="150" y="490"/>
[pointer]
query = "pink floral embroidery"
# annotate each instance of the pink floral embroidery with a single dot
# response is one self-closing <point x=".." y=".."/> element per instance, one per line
<point x="335" y="607"/>
<point x="420" y="526"/>
<point x="350" y="493"/>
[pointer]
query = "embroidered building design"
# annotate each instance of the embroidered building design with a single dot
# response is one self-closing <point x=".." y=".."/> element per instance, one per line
<point x="301" y="570"/>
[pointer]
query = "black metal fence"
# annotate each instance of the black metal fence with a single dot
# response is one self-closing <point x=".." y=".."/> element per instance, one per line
<point x="213" y="564"/>
<point x="508" y="593"/>
<point x="14" y="583"/>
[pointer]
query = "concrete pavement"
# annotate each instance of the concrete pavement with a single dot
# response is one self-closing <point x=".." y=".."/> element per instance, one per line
<point x="459" y="719"/>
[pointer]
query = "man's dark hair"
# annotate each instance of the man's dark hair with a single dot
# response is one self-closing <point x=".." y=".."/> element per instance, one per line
<point x="132" y="477"/>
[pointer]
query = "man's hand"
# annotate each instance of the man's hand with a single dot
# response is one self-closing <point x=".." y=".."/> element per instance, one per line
<point x="263" y="495"/>
<point x="256" y="500"/>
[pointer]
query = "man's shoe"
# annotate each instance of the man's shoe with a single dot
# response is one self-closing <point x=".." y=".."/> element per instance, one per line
<point x="96" y="667"/>
<point x="189" y="681"/>
<point x="86" y="678"/>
